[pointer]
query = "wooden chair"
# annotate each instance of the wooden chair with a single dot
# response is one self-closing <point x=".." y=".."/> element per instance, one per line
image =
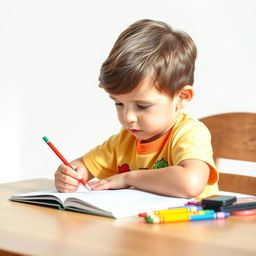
<point x="234" y="137"/>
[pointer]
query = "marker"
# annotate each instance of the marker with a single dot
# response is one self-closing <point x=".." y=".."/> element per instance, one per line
<point x="179" y="213"/>
<point x="191" y="203"/>
<point x="185" y="217"/>
<point x="62" y="158"/>
<point x="174" y="210"/>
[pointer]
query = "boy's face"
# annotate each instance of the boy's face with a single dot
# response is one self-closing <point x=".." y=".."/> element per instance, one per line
<point x="146" y="112"/>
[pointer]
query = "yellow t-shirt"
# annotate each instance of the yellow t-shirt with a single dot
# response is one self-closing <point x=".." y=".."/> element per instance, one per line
<point x="188" y="139"/>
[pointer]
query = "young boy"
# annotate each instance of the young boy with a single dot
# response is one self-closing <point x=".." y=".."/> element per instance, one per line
<point x="149" y="75"/>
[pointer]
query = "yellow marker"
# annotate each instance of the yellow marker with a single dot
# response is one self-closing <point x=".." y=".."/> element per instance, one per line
<point x="174" y="210"/>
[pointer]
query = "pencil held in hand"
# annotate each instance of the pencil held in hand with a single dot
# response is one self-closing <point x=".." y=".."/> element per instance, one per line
<point x="62" y="158"/>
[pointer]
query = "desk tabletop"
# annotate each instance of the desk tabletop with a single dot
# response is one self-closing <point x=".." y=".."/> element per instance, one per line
<point x="27" y="229"/>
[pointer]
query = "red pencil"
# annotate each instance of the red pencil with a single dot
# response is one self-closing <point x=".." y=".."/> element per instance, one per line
<point x="62" y="158"/>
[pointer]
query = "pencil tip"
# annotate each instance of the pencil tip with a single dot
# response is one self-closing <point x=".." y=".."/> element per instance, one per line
<point x="88" y="188"/>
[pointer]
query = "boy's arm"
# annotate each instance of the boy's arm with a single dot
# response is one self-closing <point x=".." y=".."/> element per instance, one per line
<point x="187" y="179"/>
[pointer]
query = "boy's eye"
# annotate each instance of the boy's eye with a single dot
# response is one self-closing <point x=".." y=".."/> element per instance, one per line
<point x="143" y="106"/>
<point x="139" y="106"/>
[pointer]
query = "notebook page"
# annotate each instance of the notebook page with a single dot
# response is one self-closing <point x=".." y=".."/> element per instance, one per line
<point x="125" y="202"/>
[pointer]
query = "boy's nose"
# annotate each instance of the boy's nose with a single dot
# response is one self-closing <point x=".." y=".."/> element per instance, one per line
<point x="129" y="116"/>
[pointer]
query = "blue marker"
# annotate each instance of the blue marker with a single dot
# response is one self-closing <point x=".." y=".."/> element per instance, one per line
<point x="210" y="216"/>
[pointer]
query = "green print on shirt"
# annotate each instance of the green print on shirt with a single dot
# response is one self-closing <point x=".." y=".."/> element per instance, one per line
<point x="160" y="164"/>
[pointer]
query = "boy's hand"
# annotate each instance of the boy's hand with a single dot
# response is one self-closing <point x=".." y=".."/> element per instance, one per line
<point x="114" y="182"/>
<point x="67" y="179"/>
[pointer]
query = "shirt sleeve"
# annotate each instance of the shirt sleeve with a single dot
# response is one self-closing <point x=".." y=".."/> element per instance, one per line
<point x="193" y="141"/>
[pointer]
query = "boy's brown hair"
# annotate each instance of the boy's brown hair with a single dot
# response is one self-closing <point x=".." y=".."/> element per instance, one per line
<point x="149" y="46"/>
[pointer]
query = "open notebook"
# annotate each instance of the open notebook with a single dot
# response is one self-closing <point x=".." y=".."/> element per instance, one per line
<point x="111" y="203"/>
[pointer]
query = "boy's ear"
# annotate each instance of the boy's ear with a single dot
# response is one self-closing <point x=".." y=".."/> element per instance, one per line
<point x="184" y="96"/>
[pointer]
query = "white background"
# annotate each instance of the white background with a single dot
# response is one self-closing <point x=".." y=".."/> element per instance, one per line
<point x="50" y="56"/>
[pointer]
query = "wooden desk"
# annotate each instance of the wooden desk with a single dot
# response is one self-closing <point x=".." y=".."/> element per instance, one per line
<point x="36" y="230"/>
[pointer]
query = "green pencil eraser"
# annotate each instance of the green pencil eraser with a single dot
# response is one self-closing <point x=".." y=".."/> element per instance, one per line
<point x="45" y="139"/>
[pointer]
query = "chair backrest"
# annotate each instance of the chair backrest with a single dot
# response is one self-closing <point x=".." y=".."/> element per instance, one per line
<point x="234" y="137"/>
